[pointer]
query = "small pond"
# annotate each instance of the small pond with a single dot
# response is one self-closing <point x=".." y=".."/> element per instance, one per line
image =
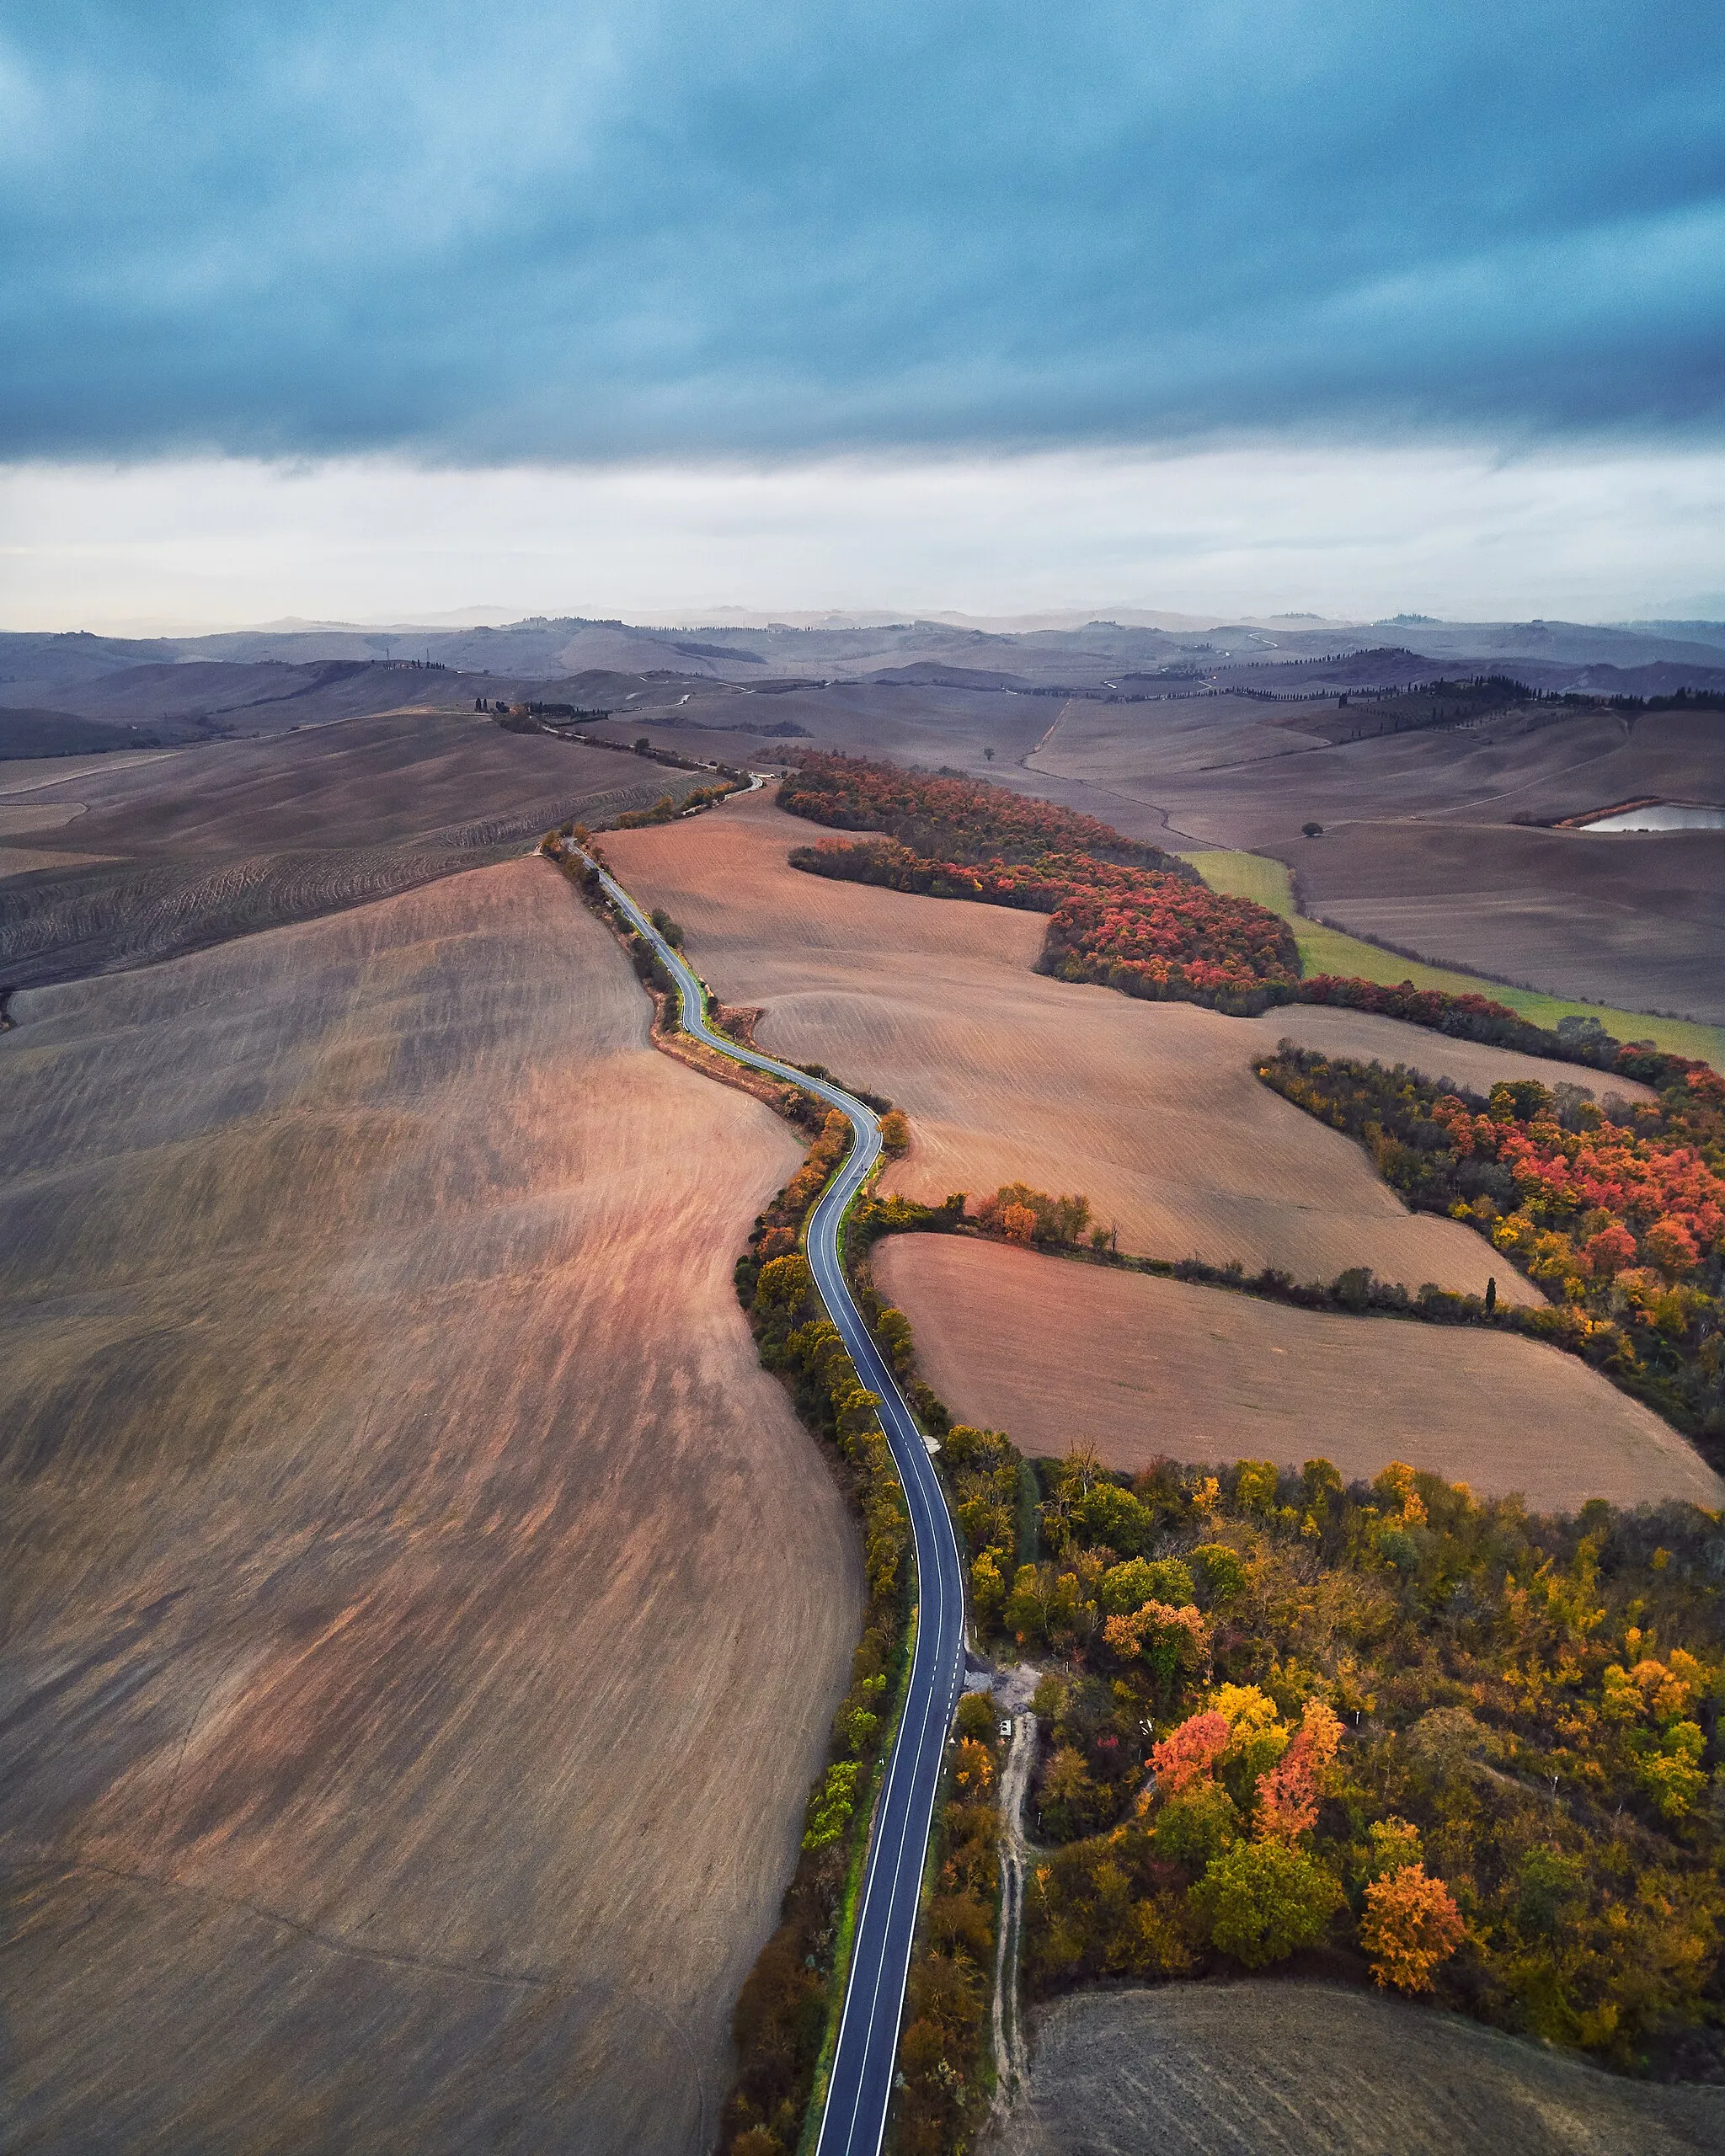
<point x="1662" y="816"/>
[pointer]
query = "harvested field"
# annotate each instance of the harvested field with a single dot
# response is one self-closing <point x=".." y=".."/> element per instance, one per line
<point x="1150" y="1109"/>
<point x="1628" y="918"/>
<point x="1279" y="2068"/>
<point x="1418" y="849"/>
<point x="1236" y="772"/>
<point x="30" y="861"/>
<point x="29" y="775"/>
<point x="230" y="838"/>
<point x="25" y="818"/>
<point x="1057" y="1353"/>
<point x="399" y="1747"/>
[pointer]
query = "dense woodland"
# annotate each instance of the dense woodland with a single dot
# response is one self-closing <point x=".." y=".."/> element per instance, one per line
<point x="1443" y="1743"/>
<point x="1618" y="1211"/>
<point x="945" y="816"/>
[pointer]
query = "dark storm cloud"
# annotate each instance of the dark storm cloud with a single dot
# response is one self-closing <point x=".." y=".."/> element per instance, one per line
<point x="527" y="231"/>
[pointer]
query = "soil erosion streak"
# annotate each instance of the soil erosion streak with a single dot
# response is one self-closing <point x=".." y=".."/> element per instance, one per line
<point x="859" y="2089"/>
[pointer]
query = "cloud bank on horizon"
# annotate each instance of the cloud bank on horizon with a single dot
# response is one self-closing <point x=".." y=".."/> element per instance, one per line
<point x="533" y="231"/>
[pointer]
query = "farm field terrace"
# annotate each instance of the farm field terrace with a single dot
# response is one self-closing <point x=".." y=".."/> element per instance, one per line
<point x="1327" y="950"/>
<point x="1060" y="1353"/>
<point x="401" y="1746"/>
<point x="1150" y="1109"/>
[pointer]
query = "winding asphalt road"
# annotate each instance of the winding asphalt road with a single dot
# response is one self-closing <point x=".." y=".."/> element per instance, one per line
<point x="860" y="2088"/>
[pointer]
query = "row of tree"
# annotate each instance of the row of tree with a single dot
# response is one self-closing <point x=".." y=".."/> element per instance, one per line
<point x="1141" y="930"/>
<point x="788" y="2001"/>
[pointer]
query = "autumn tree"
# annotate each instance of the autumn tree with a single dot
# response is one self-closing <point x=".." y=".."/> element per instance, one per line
<point x="1019" y="1223"/>
<point x="1410" y="1926"/>
<point x="1288" y="1795"/>
<point x="973" y="1768"/>
<point x="1190" y="1751"/>
<point x="786" y="1284"/>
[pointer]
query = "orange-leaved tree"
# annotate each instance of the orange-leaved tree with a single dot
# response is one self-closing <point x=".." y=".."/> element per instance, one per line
<point x="1411" y="1925"/>
<point x="1288" y="1795"/>
<point x="1190" y="1753"/>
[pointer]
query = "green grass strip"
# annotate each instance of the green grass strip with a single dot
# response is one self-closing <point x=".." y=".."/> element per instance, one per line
<point x="1331" y="951"/>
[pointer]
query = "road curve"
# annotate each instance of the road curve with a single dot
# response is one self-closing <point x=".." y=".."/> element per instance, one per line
<point x="853" y="2120"/>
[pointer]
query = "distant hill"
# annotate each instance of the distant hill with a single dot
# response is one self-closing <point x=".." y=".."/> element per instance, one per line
<point x="63" y="733"/>
<point x="173" y="689"/>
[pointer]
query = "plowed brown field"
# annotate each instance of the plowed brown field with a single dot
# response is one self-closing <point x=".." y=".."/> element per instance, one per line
<point x="1268" y="2068"/>
<point x="174" y="854"/>
<point x="1152" y="1110"/>
<point x="1057" y="1354"/>
<point x="420" y="1614"/>
<point x="1418" y="848"/>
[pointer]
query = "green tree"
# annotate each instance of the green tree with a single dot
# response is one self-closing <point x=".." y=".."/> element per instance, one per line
<point x="1259" y="1901"/>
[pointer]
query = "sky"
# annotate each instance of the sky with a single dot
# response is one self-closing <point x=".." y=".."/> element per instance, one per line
<point x="646" y="307"/>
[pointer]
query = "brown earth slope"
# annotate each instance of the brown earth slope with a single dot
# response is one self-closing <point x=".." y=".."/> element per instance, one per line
<point x="238" y="837"/>
<point x="1632" y="919"/>
<point x="1057" y="1354"/>
<point x="399" y="1745"/>
<point x="1419" y="851"/>
<point x="1262" y="2069"/>
<point x="1150" y="1109"/>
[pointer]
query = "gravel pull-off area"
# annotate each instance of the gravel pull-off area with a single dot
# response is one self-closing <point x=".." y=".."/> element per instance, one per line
<point x="1274" y="2068"/>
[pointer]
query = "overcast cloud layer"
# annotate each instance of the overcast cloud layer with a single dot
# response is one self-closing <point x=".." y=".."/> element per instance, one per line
<point x="539" y="231"/>
<point x="1364" y="533"/>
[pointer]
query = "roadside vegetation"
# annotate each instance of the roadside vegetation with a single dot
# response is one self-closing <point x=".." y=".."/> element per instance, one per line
<point x="787" y="2015"/>
<point x="944" y="2065"/>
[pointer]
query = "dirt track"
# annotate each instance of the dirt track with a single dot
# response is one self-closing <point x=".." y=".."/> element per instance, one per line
<point x="1152" y="1110"/>
<point x="1279" y="2068"/>
<point x="1056" y="1352"/>
<point x="399" y="1746"/>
